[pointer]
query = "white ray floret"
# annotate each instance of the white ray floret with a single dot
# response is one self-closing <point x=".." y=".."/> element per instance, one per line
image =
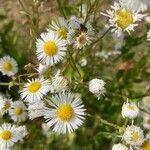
<point x="146" y="101"/>
<point x="18" y="111"/>
<point x="50" y="48"/>
<point x="119" y="146"/>
<point x="35" y="89"/>
<point x="66" y="113"/>
<point x="123" y="17"/>
<point x="36" y="110"/>
<point x="8" y="66"/>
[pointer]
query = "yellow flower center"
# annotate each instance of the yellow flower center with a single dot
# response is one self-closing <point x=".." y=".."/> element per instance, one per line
<point x="50" y="48"/>
<point x="131" y="107"/>
<point x="7" y="105"/>
<point x="34" y="87"/>
<point x="148" y="100"/>
<point x="146" y="145"/>
<point x="5" y="135"/>
<point x="65" y="112"/>
<point x="7" y="66"/>
<point x="134" y="136"/>
<point x="62" y="32"/>
<point x="18" y="110"/>
<point x="123" y="17"/>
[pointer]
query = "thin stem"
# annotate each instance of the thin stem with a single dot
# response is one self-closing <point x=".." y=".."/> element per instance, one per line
<point x="101" y="36"/>
<point x="107" y="123"/>
<point x="142" y="109"/>
<point x="73" y="63"/>
<point x="111" y="124"/>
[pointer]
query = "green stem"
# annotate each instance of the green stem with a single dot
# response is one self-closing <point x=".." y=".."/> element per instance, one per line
<point x="73" y="64"/>
<point x="111" y="124"/>
<point x="108" y="123"/>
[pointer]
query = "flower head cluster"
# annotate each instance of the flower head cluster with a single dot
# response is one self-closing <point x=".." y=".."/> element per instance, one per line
<point x="123" y="17"/>
<point x="8" y="66"/>
<point x="10" y="134"/>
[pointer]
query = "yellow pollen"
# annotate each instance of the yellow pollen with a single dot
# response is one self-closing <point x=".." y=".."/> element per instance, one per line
<point x="123" y="17"/>
<point x="148" y="100"/>
<point x="62" y="32"/>
<point x="7" y="105"/>
<point x="65" y="112"/>
<point x="34" y="87"/>
<point x="146" y="145"/>
<point x="50" y="48"/>
<point x="5" y="135"/>
<point x="18" y="110"/>
<point x="7" y="66"/>
<point x="131" y="107"/>
<point x="134" y="136"/>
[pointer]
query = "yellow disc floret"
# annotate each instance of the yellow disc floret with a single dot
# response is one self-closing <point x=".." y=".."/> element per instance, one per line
<point x="134" y="136"/>
<point x="50" y="48"/>
<point x="34" y="87"/>
<point x="124" y="18"/>
<point x="5" y="135"/>
<point x="18" y="110"/>
<point x="65" y="112"/>
<point x="62" y="32"/>
<point x="7" y="105"/>
<point x="146" y="145"/>
<point x="7" y="66"/>
<point x="131" y="107"/>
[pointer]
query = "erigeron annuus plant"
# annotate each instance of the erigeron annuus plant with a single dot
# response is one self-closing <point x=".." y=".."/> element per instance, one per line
<point x="58" y="92"/>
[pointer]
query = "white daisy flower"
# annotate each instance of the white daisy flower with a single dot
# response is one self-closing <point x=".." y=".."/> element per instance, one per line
<point x="133" y="136"/>
<point x="59" y="83"/>
<point x="10" y="134"/>
<point x="146" y="101"/>
<point x="148" y="36"/>
<point x="5" y="104"/>
<point x="122" y="17"/>
<point x="119" y="146"/>
<point x="80" y="34"/>
<point x="67" y="113"/>
<point x="8" y="66"/>
<point x="130" y="110"/>
<point x="18" y="111"/>
<point x="96" y="86"/>
<point x="59" y="25"/>
<point x="36" y="110"/>
<point x="35" y="89"/>
<point x="139" y="5"/>
<point x="51" y="48"/>
<point x="146" y="122"/>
